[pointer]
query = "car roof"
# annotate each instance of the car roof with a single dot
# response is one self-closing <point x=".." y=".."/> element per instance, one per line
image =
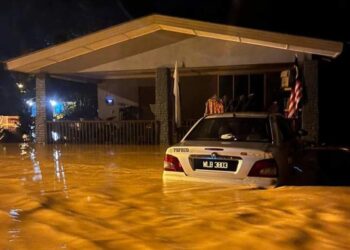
<point x="241" y="114"/>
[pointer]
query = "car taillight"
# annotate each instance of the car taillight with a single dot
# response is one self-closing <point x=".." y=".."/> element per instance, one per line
<point x="264" y="168"/>
<point x="171" y="163"/>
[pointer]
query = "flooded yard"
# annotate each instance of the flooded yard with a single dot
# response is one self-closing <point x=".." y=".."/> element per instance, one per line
<point x="113" y="197"/>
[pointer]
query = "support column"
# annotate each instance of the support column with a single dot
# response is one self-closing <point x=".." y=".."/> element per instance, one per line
<point x="40" y="118"/>
<point x="162" y="107"/>
<point x="310" y="114"/>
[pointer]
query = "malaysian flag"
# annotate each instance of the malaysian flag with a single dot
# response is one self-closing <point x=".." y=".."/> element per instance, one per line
<point x="296" y="94"/>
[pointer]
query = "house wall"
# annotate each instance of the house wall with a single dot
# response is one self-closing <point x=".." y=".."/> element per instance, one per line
<point x="201" y="52"/>
<point x="194" y="92"/>
<point x="125" y="93"/>
<point x="192" y="52"/>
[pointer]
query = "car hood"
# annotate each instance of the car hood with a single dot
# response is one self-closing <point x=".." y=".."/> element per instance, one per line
<point x="242" y="145"/>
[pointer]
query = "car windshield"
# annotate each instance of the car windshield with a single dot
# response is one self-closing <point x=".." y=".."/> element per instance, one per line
<point x="232" y="129"/>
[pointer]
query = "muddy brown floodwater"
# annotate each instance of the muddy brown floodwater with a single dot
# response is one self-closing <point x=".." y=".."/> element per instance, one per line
<point x="113" y="197"/>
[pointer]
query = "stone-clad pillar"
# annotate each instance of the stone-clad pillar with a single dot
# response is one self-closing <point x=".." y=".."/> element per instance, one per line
<point x="163" y="107"/>
<point x="40" y="118"/>
<point x="310" y="114"/>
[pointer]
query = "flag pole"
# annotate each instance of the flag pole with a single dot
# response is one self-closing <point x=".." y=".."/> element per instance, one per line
<point x="176" y="92"/>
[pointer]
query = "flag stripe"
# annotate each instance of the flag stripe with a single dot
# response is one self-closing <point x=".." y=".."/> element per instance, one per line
<point x="295" y="97"/>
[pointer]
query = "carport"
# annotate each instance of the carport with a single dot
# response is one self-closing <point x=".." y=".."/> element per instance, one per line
<point x="139" y="56"/>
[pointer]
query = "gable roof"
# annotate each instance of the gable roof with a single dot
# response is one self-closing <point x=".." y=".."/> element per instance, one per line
<point x="168" y="30"/>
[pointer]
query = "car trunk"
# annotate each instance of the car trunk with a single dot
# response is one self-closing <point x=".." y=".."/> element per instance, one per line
<point x="221" y="159"/>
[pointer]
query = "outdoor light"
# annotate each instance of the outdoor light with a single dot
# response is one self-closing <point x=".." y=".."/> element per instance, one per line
<point x="30" y="103"/>
<point x="53" y="103"/>
<point x="20" y="85"/>
<point x="109" y="100"/>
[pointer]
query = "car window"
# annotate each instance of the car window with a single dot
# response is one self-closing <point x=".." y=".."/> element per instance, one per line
<point x="232" y="128"/>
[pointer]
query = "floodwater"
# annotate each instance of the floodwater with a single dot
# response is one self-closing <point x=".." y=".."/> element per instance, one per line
<point x="113" y="197"/>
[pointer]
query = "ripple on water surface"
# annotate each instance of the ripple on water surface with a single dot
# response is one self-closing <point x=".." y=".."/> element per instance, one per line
<point x="113" y="197"/>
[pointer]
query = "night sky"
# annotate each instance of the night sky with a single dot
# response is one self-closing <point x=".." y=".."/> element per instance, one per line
<point x="26" y="26"/>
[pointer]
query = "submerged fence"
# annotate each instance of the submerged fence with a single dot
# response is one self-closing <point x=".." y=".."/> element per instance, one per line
<point x="137" y="132"/>
<point x="142" y="132"/>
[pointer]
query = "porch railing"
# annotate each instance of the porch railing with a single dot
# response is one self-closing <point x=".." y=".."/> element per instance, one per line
<point x="104" y="132"/>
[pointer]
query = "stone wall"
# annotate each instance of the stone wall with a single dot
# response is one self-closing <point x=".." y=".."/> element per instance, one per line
<point x="310" y="114"/>
<point x="162" y="108"/>
<point x="40" y="119"/>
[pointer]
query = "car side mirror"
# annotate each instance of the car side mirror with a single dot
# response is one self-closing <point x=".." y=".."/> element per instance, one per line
<point x="302" y="132"/>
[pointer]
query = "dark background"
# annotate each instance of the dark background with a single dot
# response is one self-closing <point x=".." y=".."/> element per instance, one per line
<point x="26" y="26"/>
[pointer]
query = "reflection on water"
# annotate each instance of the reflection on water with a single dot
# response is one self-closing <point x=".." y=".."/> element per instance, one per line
<point x="113" y="197"/>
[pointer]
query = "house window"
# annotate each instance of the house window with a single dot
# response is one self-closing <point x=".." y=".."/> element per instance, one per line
<point x="265" y="87"/>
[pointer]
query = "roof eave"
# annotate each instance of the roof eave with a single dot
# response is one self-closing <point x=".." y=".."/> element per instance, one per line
<point x="38" y="60"/>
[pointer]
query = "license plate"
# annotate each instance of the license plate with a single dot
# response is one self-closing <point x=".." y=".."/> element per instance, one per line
<point x="209" y="164"/>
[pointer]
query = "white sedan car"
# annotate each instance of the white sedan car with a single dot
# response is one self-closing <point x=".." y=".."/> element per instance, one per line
<point x="242" y="148"/>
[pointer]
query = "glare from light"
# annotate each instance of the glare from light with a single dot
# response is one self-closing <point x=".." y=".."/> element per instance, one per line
<point x="109" y="100"/>
<point x="56" y="154"/>
<point x="14" y="213"/>
<point x="20" y="85"/>
<point x="55" y="136"/>
<point x="53" y="103"/>
<point x="30" y="103"/>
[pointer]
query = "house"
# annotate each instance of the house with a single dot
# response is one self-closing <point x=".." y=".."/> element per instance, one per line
<point x="132" y="65"/>
<point x="9" y="123"/>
